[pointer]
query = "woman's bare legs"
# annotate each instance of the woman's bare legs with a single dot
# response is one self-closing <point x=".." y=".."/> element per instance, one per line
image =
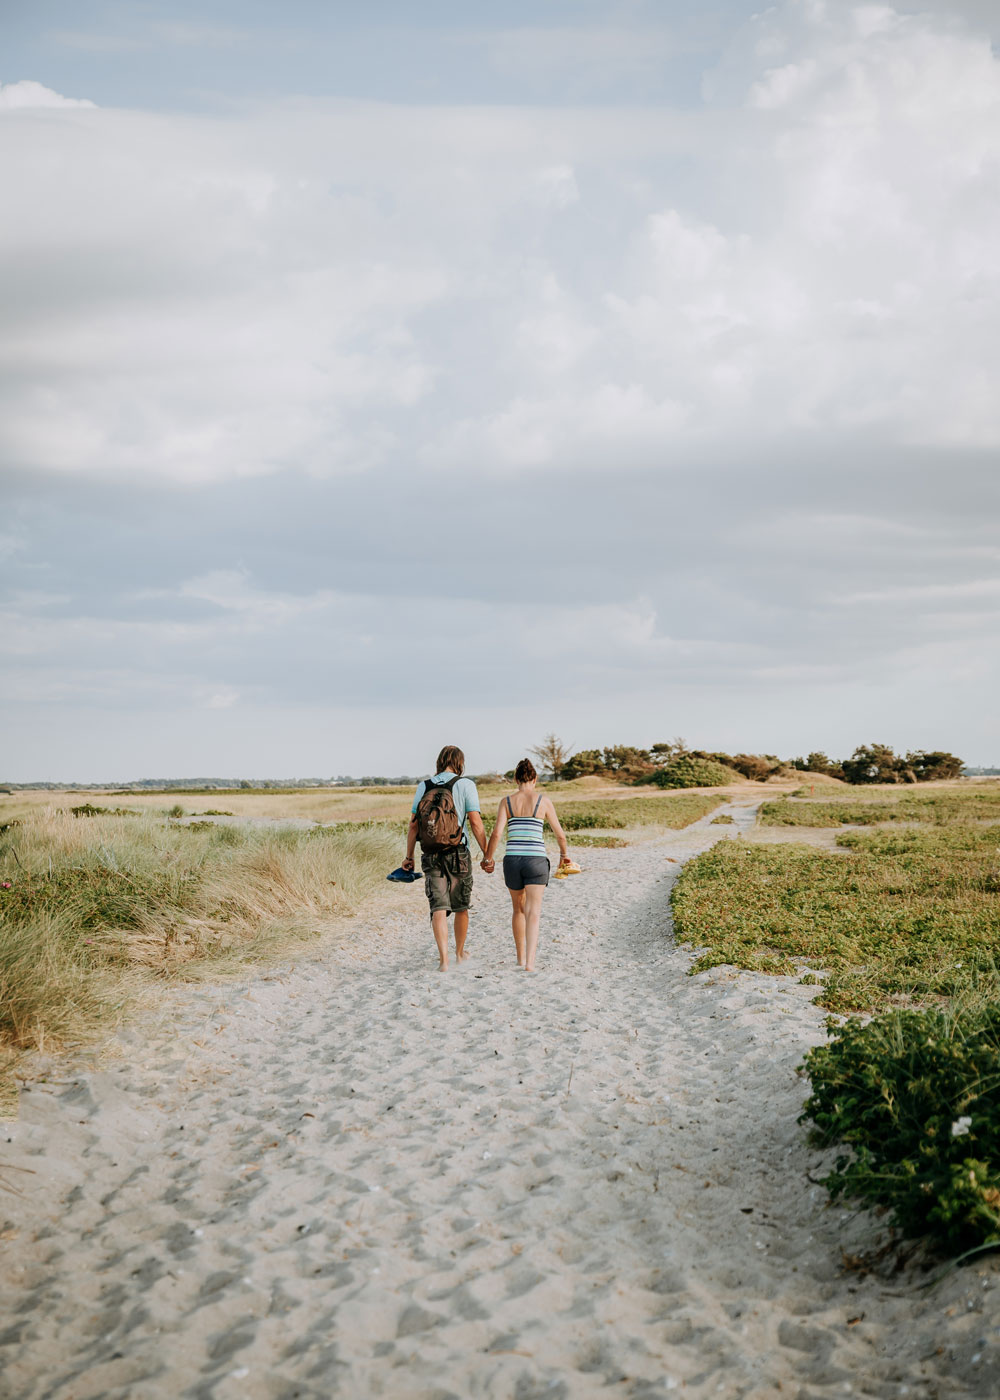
<point x="517" y="923"/>
<point x="532" y="914"/>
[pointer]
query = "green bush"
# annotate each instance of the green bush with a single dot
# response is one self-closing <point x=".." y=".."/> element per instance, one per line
<point x="916" y="1095"/>
<point x="687" y="772"/>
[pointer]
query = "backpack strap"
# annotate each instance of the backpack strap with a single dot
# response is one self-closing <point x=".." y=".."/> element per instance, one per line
<point x="450" y="783"/>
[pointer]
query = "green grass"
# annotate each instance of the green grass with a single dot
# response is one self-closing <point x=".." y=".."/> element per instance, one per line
<point x="908" y="916"/>
<point x="937" y="808"/>
<point x="673" y="811"/>
<point x="91" y="909"/>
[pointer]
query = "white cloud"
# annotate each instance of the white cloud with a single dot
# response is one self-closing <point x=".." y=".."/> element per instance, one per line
<point x="332" y="288"/>
<point x="29" y="94"/>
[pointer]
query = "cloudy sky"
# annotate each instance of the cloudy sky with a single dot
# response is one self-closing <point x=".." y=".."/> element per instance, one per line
<point x="371" y="382"/>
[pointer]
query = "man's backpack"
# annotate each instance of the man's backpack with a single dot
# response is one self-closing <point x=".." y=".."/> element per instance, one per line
<point x="438" y="827"/>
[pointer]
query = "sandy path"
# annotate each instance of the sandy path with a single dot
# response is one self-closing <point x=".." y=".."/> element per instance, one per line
<point x="361" y="1178"/>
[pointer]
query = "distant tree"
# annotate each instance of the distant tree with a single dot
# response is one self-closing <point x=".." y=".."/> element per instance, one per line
<point x="755" y="766"/>
<point x="874" y="763"/>
<point x="552" y="754"/>
<point x="818" y="763"/>
<point x="667" y="752"/>
<point x="582" y="765"/>
<point x="624" y="760"/>
<point x="934" y="765"/>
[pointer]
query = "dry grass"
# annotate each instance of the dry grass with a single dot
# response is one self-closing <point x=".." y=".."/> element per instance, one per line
<point x="333" y="804"/>
<point x="94" y="908"/>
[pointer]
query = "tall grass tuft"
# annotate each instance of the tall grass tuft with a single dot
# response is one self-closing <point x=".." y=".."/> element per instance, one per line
<point x="90" y="909"/>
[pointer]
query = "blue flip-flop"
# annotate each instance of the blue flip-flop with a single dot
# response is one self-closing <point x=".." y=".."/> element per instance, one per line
<point x="405" y="877"/>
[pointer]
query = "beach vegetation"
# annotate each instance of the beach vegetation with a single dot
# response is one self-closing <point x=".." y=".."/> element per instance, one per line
<point x="915" y="1097"/>
<point x="904" y="916"/>
<point x="92" y="911"/>
<point x="941" y="807"/>
<point x="688" y="771"/>
<point x="670" y="811"/>
<point x="901" y="922"/>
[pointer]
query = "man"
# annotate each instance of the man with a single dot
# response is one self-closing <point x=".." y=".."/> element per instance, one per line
<point x="444" y="808"/>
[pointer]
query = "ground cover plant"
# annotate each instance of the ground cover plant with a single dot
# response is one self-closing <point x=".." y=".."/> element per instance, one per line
<point x="907" y="914"/>
<point x="90" y="909"/>
<point x="672" y="811"/>
<point x="904" y="920"/>
<point x="942" y="808"/>
<point x="916" y="1096"/>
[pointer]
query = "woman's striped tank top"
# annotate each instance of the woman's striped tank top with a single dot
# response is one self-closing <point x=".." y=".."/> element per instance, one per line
<point x="524" y="834"/>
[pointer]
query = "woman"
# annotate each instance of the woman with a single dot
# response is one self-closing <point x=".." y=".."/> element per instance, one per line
<point x="526" y="863"/>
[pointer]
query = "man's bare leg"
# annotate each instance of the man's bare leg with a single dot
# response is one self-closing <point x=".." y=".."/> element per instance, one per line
<point x="532" y="915"/>
<point x="461" y="933"/>
<point x="439" y="925"/>
<point x="517" y="923"/>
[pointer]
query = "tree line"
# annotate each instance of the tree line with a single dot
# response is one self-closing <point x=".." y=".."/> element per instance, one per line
<point x="674" y="764"/>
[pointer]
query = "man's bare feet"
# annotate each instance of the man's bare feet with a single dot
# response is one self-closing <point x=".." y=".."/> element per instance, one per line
<point x="442" y="967"/>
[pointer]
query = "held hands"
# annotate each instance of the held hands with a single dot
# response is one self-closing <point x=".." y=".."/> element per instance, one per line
<point x="488" y="865"/>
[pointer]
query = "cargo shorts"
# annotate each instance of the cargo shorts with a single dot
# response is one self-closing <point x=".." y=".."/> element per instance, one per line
<point x="448" y="879"/>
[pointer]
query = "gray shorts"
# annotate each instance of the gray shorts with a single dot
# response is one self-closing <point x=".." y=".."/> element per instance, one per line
<point x="448" y="879"/>
<point x="519" y="871"/>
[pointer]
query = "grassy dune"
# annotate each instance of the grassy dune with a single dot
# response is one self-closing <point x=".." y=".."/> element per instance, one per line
<point x="93" y="908"/>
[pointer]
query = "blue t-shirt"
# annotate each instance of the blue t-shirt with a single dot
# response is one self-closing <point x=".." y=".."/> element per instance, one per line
<point x="464" y="794"/>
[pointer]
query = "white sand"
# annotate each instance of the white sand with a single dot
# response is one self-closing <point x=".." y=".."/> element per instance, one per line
<point x="362" y="1178"/>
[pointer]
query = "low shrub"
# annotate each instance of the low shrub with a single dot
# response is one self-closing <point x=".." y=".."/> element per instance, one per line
<point x="87" y="809"/>
<point x="916" y="1096"/>
<point x="724" y="820"/>
<point x="672" y="811"/>
<point x="688" y="771"/>
<point x="584" y="821"/>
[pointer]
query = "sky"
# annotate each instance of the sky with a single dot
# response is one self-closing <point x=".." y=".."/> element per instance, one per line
<point x="375" y="377"/>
